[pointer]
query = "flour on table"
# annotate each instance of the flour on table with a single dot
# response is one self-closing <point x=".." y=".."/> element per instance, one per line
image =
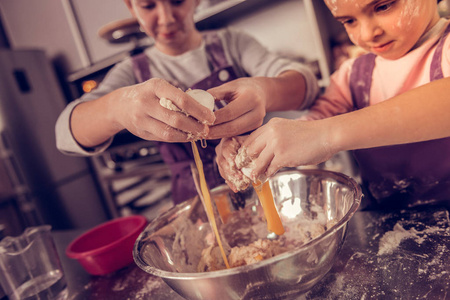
<point x="144" y="293"/>
<point x="392" y="239"/>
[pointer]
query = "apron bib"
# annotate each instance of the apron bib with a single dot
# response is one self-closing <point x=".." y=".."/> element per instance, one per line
<point x="179" y="156"/>
<point x="401" y="175"/>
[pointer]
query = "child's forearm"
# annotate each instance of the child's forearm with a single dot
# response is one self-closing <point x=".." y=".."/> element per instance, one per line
<point x="418" y="115"/>
<point x="287" y="91"/>
<point x="90" y="122"/>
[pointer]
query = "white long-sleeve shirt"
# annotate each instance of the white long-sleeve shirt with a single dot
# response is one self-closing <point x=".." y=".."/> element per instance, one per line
<point x="246" y="54"/>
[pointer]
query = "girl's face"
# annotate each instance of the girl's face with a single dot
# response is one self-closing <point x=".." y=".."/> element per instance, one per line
<point x="388" y="28"/>
<point x="169" y="22"/>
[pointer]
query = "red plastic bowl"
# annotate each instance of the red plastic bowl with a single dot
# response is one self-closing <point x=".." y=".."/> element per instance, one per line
<point x="107" y="247"/>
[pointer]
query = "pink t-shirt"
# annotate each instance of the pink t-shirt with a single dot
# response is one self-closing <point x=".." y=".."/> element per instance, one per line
<point x="390" y="77"/>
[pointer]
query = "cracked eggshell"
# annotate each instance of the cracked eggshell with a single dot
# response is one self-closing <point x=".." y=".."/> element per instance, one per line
<point x="166" y="103"/>
<point x="202" y="97"/>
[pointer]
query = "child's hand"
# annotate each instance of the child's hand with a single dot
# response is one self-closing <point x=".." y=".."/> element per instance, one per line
<point x="226" y="153"/>
<point x="138" y="110"/>
<point x="287" y="143"/>
<point x="245" y="110"/>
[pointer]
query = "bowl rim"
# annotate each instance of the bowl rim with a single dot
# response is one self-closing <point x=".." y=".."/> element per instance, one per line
<point x="242" y="269"/>
<point x="79" y="255"/>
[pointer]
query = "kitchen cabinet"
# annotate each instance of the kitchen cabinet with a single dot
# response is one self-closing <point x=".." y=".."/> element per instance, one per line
<point x="298" y="29"/>
<point x="41" y="24"/>
<point x="91" y="15"/>
<point x="67" y="30"/>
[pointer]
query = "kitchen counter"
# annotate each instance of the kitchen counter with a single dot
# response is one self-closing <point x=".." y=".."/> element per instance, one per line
<point x="386" y="255"/>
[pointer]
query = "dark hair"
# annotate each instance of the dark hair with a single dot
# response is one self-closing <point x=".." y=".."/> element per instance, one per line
<point x="439" y="1"/>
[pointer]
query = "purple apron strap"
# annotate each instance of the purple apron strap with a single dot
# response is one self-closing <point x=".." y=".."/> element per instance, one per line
<point x="141" y="68"/>
<point x="214" y="50"/>
<point x="436" y="63"/>
<point x="361" y="80"/>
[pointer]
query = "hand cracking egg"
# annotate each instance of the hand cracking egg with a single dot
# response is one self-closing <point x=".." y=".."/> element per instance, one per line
<point x="201" y="96"/>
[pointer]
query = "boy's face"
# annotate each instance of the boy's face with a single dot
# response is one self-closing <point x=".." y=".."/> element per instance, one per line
<point x="169" y="22"/>
<point x="388" y="28"/>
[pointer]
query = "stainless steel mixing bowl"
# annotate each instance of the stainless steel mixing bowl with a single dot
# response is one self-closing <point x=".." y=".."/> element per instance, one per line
<point x="171" y="245"/>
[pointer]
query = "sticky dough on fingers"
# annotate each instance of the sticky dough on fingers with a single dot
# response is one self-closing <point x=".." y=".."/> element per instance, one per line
<point x="246" y="165"/>
<point x="241" y="164"/>
<point x="166" y="103"/>
<point x="236" y="177"/>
